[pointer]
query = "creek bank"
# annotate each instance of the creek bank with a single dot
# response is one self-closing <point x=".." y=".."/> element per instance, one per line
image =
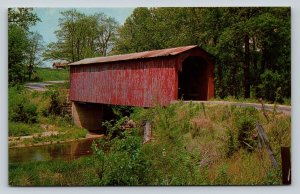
<point x="18" y="142"/>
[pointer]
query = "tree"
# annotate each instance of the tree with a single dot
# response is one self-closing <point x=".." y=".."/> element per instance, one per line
<point x="23" y="17"/>
<point x="106" y="30"/>
<point x="81" y="36"/>
<point x="246" y="42"/>
<point x="17" y="47"/>
<point x="35" y="49"/>
<point x="19" y="43"/>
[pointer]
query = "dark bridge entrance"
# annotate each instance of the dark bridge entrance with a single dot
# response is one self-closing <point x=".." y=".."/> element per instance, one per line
<point x="193" y="79"/>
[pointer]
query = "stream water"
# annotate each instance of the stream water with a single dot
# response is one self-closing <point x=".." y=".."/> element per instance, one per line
<point x="61" y="151"/>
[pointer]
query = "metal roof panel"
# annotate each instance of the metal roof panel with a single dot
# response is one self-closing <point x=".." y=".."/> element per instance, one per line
<point x="132" y="56"/>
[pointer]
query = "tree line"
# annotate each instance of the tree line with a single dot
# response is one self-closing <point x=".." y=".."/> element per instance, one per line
<point x="251" y="45"/>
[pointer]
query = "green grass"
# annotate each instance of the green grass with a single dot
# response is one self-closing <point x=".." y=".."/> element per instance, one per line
<point x="58" y="173"/>
<point x="20" y="125"/>
<point x="53" y="74"/>
<point x="188" y="148"/>
<point x="286" y="101"/>
<point x="22" y="129"/>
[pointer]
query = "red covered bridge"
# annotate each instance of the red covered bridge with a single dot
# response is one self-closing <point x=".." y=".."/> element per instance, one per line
<point x="139" y="79"/>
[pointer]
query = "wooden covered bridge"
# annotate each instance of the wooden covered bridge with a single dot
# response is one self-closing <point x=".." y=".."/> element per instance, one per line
<point x="139" y="79"/>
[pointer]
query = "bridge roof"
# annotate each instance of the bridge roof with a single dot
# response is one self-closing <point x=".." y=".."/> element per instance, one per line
<point x="132" y="56"/>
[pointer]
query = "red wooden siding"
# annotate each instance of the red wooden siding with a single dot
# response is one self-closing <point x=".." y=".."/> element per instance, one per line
<point x="132" y="83"/>
<point x="139" y="79"/>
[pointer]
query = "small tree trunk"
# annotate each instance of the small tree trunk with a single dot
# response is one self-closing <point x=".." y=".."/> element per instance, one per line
<point x="247" y="67"/>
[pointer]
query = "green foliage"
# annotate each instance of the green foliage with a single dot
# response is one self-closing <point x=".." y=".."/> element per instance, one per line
<point x="35" y="49"/>
<point x="169" y="159"/>
<point x="20" y="108"/>
<point x="246" y="130"/>
<point x="271" y="87"/>
<point x="23" y="17"/>
<point x="17" y="46"/>
<point x="232" y="143"/>
<point x="23" y="46"/>
<point x="224" y="32"/>
<point x="222" y="176"/>
<point x="81" y="36"/>
<point x="119" y="161"/>
<point x="36" y="112"/>
<point x="122" y="111"/>
<point x="55" y="105"/>
<point x="113" y="127"/>
<point x="22" y="129"/>
<point x="245" y="123"/>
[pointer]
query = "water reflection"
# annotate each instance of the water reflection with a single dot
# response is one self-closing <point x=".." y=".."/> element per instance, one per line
<point x="63" y="151"/>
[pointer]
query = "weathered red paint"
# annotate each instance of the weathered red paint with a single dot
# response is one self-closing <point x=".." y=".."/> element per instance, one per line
<point x="139" y="79"/>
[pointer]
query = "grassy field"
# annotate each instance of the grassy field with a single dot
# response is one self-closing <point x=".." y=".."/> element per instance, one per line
<point x="46" y="74"/>
<point x="190" y="145"/>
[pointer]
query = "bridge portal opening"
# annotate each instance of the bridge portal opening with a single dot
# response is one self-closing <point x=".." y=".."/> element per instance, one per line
<point x="193" y="79"/>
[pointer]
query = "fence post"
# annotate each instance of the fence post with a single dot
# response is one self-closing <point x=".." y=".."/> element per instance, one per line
<point x="286" y="165"/>
<point x="264" y="138"/>
<point x="202" y="103"/>
<point x="147" y="132"/>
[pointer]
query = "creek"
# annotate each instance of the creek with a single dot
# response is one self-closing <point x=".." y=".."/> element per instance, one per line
<point x="61" y="151"/>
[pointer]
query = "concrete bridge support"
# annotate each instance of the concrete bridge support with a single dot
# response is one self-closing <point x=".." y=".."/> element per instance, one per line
<point x="88" y="115"/>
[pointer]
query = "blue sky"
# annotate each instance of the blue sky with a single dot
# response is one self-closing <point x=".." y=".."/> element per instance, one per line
<point x="50" y="17"/>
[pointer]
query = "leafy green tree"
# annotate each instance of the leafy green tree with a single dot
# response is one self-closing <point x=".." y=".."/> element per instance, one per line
<point x="82" y="36"/>
<point x="21" y="52"/>
<point x="245" y="41"/>
<point x="23" y="17"/>
<point x="34" y="52"/>
<point x="106" y="32"/>
<point x="17" y="47"/>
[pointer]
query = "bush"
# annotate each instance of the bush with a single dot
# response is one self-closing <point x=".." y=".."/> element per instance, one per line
<point x="271" y="86"/>
<point x="231" y="143"/>
<point x="246" y="131"/>
<point x="245" y="124"/>
<point x="58" y="104"/>
<point x="242" y="134"/>
<point x="119" y="161"/>
<point x="20" y="107"/>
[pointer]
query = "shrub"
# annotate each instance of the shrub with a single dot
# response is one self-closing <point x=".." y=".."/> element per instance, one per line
<point x="232" y="143"/>
<point x="122" y="111"/>
<point x="245" y="124"/>
<point x="246" y="129"/>
<point x="119" y="161"/>
<point x="20" y="107"/>
<point x="242" y="133"/>
<point x="271" y="86"/>
<point x="58" y="103"/>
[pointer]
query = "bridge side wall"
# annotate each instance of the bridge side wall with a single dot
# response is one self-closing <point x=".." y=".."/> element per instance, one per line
<point x="143" y="82"/>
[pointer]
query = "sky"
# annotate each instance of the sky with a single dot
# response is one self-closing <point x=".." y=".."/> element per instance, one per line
<point x="50" y="16"/>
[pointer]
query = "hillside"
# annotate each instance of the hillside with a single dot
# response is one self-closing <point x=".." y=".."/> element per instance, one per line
<point x="189" y="146"/>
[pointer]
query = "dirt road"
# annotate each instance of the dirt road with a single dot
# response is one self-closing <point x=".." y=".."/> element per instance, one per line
<point x="269" y="107"/>
<point x="41" y="86"/>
